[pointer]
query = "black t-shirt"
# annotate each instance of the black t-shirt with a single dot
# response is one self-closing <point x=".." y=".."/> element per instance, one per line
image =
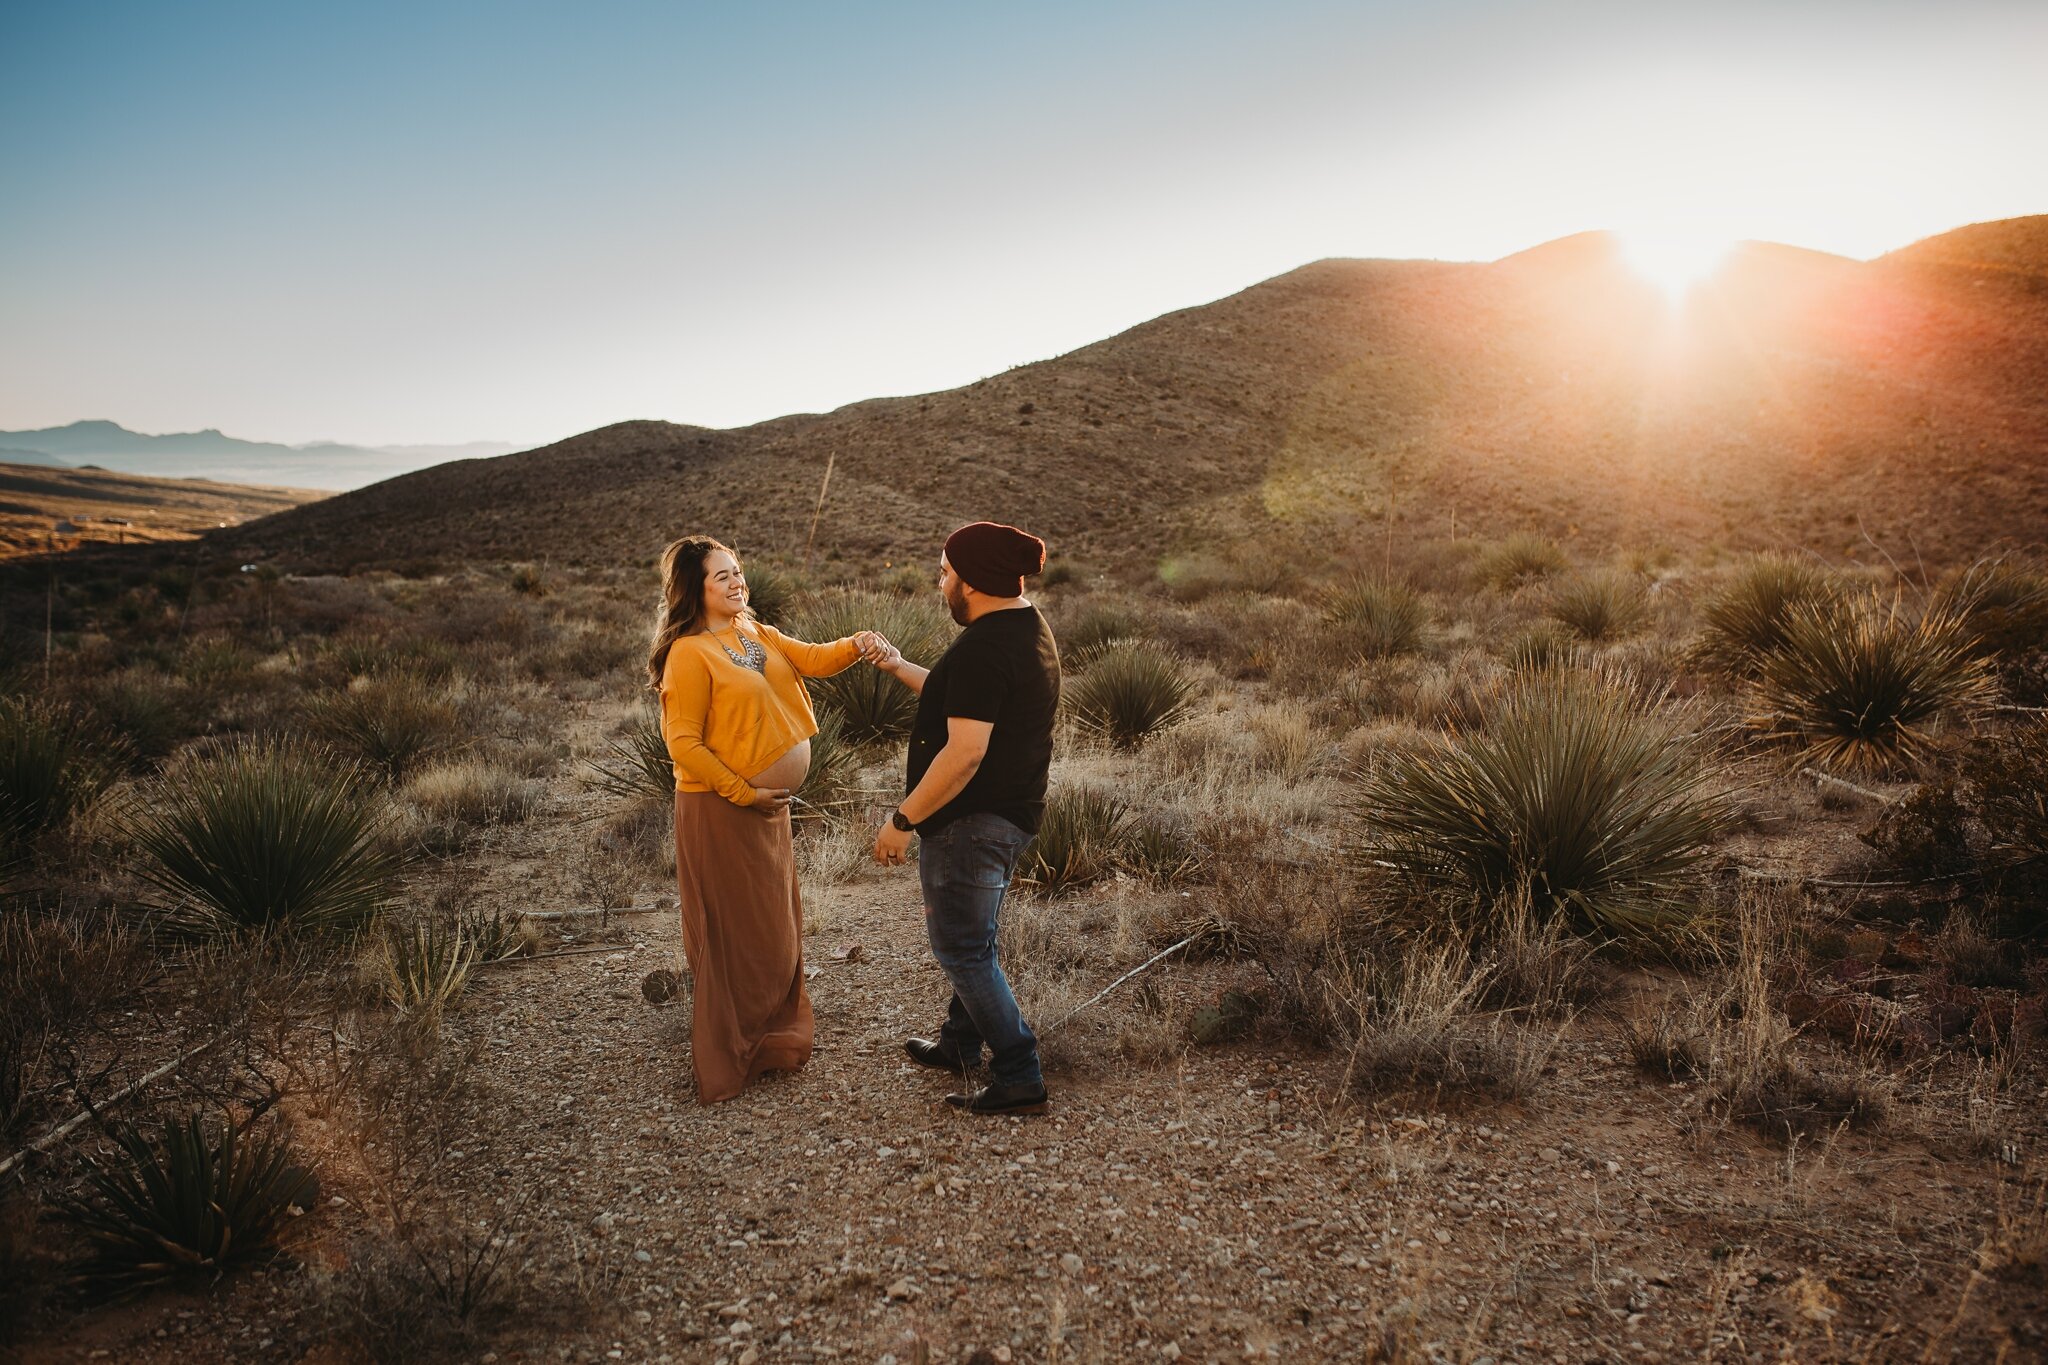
<point x="1004" y="669"/>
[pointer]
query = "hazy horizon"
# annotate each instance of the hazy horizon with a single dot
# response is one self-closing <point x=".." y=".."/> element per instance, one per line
<point x="402" y="226"/>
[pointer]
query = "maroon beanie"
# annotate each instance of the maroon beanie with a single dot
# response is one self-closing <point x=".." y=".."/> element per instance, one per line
<point x="994" y="558"/>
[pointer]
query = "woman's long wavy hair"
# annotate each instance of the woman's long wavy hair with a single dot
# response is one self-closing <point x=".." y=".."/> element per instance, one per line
<point x="682" y="597"/>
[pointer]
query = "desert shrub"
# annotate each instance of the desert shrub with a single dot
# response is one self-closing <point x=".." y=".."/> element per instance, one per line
<point x="1374" y="616"/>
<point x="1094" y="628"/>
<point x="62" y="980"/>
<point x="2004" y="605"/>
<point x="1413" y="1019"/>
<point x="1745" y="622"/>
<point x="1451" y="693"/>
<point x="1159" y="846"/>
<point x="1743" y="1047"/>
<point x="187" y="1202"/>
<point x="150" y="713"/>
<point x="1577" y="790"/>
<point x="216" y="666"/>
<point x="2007" y="783"/>
<point x="52" y="765"/>
<point x="1228" y="746"/>
<point x="473" y="791"/>
<point x="1130" y="693"/>
<point x="1521" y="558"/>
<point x="1193" y="577"/>
<point x="265" y="836"/>
<point x="1080" y="838"/>
<point x="393" y="722"/>
<point x="1859" y="685"/>
<point x="644" y="834"/>
<point x="1530" y="962"/>
<point x="1925" y="835"/>
<point x="430" y="1295"/>
<point x="359" y="654"/>
<point x="528" y="580"/>
<point x="1597" y="606"/>
<point x="1966" y="952"/>
<point x="582" y="650"/>
<point x="875" y="705"/>
<point x="636" y="768"/>
<point x="1541" y="646"/>
<point x="421" y="968"/>
<point x="1994" y="592"/>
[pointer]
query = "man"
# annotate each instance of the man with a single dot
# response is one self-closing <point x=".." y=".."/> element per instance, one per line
<point x="976" y="781"/>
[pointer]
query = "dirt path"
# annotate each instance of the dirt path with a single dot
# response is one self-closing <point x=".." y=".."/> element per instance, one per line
<point x="1214" y="1209"/>
<point x="1223" y="1206"/>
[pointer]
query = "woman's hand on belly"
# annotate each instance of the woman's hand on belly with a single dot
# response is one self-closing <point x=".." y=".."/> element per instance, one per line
<point x="788" y="771"/>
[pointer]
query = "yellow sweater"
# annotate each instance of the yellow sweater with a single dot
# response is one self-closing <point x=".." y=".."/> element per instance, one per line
<point x="721" y="720"/>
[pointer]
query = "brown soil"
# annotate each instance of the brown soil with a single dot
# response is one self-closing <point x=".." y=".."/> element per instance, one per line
<point x="1230" y="1206"/>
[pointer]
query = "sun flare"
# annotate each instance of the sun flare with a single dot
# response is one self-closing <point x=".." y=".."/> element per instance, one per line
<point x="1675" y="261"/>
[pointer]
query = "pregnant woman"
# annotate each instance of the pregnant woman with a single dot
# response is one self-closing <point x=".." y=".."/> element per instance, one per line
<point x="738" y="725"/>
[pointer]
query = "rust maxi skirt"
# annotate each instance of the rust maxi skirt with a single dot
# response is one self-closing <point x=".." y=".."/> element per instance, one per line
<point x="743" y="937"/>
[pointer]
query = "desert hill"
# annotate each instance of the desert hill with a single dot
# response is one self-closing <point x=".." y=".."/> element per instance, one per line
<point x="1796" y="398"/>
<point x="44" y="507"/>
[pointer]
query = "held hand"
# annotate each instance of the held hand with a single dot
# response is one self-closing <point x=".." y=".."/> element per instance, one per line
<point x="876" y="649"/>
<point x="892" y="845"/>
<point x="769" y="800"/>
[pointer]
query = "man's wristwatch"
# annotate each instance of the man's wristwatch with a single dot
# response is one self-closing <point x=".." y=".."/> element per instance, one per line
<point x="898" y="820"/>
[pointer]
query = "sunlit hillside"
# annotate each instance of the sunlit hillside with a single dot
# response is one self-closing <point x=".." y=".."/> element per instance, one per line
<point x="1794" y="398"/>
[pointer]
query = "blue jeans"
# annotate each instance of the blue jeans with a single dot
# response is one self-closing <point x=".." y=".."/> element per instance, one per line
<point x="964" y="869"/>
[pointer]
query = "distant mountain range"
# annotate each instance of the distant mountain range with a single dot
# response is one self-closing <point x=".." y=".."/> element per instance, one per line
<point x="211" y="455"/>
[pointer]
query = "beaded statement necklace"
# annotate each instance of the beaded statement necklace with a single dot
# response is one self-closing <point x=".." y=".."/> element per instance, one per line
<point x="751" y="654"/>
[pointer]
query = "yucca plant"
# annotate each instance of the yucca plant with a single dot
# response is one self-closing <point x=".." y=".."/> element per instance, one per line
<point x="636" y="768"/>
<point x="875" y="705"/>
<point x="1998" y="584"/>
<point x="2002" y="601"/>
<point x="1745" y="621"/>
<point x="1091" y="630"/>
<point x="1859" y="684"/>
<point x="392" y="721"/>
<point x="51" y="766"/>
<point x="1080" y="837"/>
<point x="1374" y="617"/>
<point x="152" y="712"/>
<point x="187" y="1203"/>
<point x="771" y="591"/>
<point x="1130" y="693"/>
<point x="1520" y="558"/>
<point x="1597" y="606"/>
<point x="266" y="836"/>
<point x="422" y="968"/>
<point x="1575" y="789"/>
<point x="1542" y="646"/>
<point x="498" y="934"/>
<point x="1160" y="848"/>
<point x="834" y="761"/>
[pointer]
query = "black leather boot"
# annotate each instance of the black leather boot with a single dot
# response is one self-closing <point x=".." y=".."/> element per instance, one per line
<point x="940" y="1056"/>
<point x="1002" y="1099"/>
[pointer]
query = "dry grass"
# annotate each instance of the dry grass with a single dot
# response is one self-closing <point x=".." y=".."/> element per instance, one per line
<point x="474" y="791"/>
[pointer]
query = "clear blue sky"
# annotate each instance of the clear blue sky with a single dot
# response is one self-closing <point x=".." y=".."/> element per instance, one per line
<point x="436" y="222"/>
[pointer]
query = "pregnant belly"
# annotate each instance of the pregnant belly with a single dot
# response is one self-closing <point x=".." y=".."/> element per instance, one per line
<point x="787" y="771"/>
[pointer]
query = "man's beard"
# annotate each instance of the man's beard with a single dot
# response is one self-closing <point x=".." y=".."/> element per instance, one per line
<point x="956" y="603"/>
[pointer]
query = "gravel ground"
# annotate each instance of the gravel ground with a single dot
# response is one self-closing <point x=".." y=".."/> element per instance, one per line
<point x="1225" y="1205"/>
